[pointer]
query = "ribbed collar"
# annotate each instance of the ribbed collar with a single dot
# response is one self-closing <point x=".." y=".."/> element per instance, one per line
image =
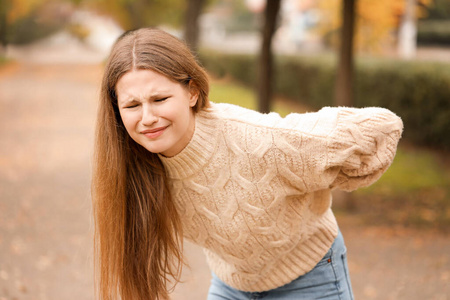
<point x="199" y="150"/>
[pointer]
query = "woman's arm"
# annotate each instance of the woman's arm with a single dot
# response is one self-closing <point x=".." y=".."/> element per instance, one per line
<point x="336" y="147"/>
<point x="339" y="147"/>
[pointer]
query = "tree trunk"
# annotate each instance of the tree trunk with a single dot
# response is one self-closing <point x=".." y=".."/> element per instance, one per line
<point x="266" y="57"/>
<point x="344" y="80"/>
<point x="191" y="29"/>
<point x="136" y="10"/>
<point x="407" y="35"/>
<point x="3" y="28"/>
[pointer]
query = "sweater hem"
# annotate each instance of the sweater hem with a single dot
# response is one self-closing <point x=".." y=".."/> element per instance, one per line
<point x="302" y="259"/>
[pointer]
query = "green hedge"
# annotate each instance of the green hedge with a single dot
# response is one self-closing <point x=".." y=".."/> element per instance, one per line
<point x="240" y="67"/>
<point x="418" y="92"/>
<point x="436" y="32"/>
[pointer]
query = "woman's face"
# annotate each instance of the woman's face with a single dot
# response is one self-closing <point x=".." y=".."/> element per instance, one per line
<point x="156" y="111"/>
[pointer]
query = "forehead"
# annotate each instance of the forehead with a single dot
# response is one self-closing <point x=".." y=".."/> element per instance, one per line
<point x="137" y="77"/>
<point x="143" y="83"/>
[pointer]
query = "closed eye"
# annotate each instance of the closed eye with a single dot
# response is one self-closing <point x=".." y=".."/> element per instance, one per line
<point x="132" y="105"/>
<point x="161" y="99"/>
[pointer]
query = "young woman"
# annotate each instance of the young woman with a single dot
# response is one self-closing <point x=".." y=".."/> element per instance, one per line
<point x="252" y="189"/>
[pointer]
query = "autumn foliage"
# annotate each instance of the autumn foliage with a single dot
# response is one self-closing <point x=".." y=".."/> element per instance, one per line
<point x="376" y="24"/>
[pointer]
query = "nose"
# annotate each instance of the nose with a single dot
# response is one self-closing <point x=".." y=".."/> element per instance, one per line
<point x="149" y="116"/>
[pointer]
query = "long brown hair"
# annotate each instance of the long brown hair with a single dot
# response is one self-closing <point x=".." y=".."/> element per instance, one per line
<point x="138" y="234"/>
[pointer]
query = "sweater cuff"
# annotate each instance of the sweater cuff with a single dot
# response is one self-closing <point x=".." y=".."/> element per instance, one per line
<point x="364" y="144"/>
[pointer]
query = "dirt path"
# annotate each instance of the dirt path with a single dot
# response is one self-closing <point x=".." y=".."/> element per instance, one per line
<point x="46" y="120"/>
<point x="47" y="114"/>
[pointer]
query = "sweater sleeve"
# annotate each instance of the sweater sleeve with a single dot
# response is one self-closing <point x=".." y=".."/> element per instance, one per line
<point x="344" y="148"/>
<point x="363" y="145"/>
<point x="336" y="147"/>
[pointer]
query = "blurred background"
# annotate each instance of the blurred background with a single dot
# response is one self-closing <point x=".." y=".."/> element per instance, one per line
<point x="283" y="55"/>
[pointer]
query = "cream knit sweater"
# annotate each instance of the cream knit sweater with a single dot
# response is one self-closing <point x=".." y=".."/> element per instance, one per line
<point x="254" y="189"/>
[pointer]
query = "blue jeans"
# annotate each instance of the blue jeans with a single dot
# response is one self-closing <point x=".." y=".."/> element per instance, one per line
<point x="328" y="280"/>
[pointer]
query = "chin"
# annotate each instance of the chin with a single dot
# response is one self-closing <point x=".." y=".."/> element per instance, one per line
<point x="155" y="149"/>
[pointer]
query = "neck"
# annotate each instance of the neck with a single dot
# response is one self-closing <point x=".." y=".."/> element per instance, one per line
<point x="185" y="140"/>
<point x="198" y="150"/>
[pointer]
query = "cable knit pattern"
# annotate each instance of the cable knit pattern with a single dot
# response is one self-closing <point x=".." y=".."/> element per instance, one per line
<point x="254" y="190"/>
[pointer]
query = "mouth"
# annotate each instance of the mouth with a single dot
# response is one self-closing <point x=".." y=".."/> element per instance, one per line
<point x="155" y="132"/>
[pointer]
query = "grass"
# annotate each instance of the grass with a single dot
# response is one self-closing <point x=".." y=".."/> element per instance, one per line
<point x="412" y="170"/>
<point x="3" y="60"/>
<point x="225" y="90"/>
<point x="415" y="191"/>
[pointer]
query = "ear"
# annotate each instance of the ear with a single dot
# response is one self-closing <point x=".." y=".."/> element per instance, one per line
<point x="193" y="94"/>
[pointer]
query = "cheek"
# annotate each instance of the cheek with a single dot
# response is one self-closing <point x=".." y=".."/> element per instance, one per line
<point x="128" y="121"/>
<point x="177" y="114"/>
<point x="183" y="118"/>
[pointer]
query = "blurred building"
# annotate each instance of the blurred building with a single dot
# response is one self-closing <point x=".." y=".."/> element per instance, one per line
<point x="228" y="30"/>
<point x="298" y="20"/>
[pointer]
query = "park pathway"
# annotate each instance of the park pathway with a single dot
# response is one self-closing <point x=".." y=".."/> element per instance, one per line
<point x="47" y="115"/>
<point x="46" y="121"/>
